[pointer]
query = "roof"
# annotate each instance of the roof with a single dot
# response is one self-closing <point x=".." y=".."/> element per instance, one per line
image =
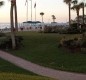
<point x="32" y="22"/>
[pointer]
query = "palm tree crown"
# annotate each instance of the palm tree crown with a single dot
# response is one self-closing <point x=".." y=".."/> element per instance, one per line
<point x="67" y="1"/>
<point x="1" y="3"/>
<point x="77" y="8"/>
<point x="53" y="17"/>
<point x="42" y="15"/>
<point x="74" y="2"/>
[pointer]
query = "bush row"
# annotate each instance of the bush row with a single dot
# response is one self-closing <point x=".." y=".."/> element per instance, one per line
<point x="74" y="29"/>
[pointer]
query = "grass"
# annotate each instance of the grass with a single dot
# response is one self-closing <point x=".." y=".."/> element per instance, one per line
<point x="9" y="71"/>
<point x="13" y="76"/>
<point x="7" y="67"/>
<point x="43" y="49"/>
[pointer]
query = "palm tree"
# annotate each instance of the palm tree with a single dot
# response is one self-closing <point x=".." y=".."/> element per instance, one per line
<point x="53" y="17"/>
<point x="42" y="16"/>
<point x="13" y="6"/>
<point x="12" y="25"/>
<point x="77" y="8"/>
<point x="82" y="6"/>
<point x="16" y="21"/>
<point x="69" y="4"/>
<point x="15" y="10"/>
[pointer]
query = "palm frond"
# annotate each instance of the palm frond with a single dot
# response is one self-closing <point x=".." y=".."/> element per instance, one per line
<point x="76" y="7"/>
<point x="85" y="4"/>
<point x="1" y="3"/>
<point x="81" y="4"/>
<point x="74" y="1"/>
<point x="67" y="1"/>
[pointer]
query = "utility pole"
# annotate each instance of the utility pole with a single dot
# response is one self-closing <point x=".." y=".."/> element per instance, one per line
<point x="31" y="10"/>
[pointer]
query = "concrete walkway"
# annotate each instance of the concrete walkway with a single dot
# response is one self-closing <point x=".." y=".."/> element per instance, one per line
<point x="58" y="75"/>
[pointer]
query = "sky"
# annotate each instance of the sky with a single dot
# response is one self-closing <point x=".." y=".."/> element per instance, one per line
<point x="49" y="7"/>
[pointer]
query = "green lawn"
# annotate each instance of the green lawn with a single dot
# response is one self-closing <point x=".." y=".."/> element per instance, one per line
<point x="7" y="67"/>
<point x="43" y="49"/>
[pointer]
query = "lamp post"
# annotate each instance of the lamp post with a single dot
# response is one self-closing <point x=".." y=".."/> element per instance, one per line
<point x="27" y="10"/>
<point x="31" y="10"/>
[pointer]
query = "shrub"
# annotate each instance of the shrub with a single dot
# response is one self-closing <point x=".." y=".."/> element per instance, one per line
<point x="6" y="43"/>
<point x="83" y="28"/>
<point x="2" y="34"/>
<point x="83" y="41"/>
<point x="63" y="31"/>
<point x="72" y="44"/>
<point x="50" y="29"/>
<point x="47" y="29"/>
<point x="74" y="29"/>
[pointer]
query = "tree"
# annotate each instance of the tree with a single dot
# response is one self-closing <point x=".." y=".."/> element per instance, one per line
<point x="42" y="16"/>
<point x="15" y="11"/>
<point x="82" y="4"/>
<point x="69" y="4"/>
<point x="77" y="8"/>
<point x="13" y="6"/>
<point x="16" y="21"/>
<point x="53" y="17"/>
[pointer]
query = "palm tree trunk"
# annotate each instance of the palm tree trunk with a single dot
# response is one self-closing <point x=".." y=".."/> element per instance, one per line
<point x="83" y="16"/>
<point x="69" y="14"/>
<point x="16" y="21"/>
<point x="53" y="20"/>
<point x="83" y="27"/>
<point x="12" y="28"/>
<point x="78" y="18"/>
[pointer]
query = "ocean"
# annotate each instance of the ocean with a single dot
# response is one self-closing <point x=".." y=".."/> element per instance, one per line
<point x="7" y="25"/>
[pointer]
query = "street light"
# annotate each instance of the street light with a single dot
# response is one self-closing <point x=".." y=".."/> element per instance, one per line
<point x="27" y="9"/>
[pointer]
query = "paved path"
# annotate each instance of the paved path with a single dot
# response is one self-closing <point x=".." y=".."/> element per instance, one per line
<point x="58" y="75"/>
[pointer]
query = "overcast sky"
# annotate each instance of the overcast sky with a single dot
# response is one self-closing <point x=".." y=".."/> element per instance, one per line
<point x="49" y="7"/>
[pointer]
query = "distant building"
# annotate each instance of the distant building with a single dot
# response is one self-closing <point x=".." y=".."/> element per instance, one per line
<point x="32" y="25"/>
